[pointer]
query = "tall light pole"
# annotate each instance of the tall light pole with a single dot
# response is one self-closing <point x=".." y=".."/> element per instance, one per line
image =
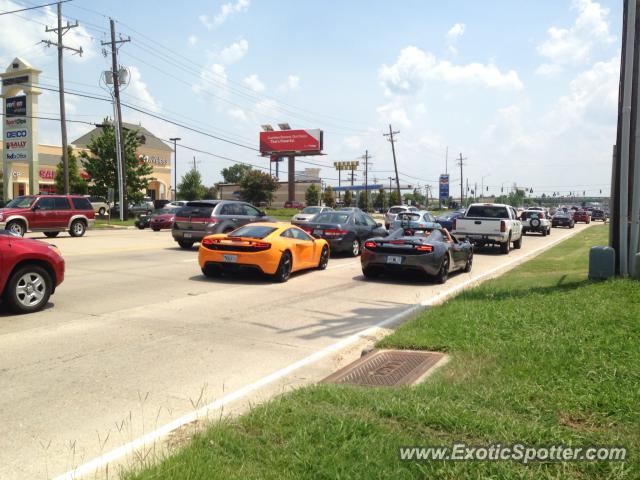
<point x="175" y="167"/>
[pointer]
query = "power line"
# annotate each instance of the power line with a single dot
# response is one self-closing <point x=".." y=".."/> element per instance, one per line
<point x="34" y="7"/>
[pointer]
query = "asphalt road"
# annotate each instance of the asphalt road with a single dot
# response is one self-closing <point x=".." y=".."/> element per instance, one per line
<point x="136" y="337"/>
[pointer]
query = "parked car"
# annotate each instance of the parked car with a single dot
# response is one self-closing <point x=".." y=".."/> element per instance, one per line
<point x="582" y="216"/>
<point x="390" y="216"/>
<point x="349" y="209"/>
<point x="294" y="204"/>
<point x="30" y="271"/>
<point x="309" y="212"/>
<point x="599" y="215"/>
<point x="269" y="248"/>
<point x="345" y="231"/>
<point x="416" y="220"/>
<point x="50" y="214"/>
<point x="446" y="220"/>
<point x="431" y="252"/>
<point x="99" y="204"/>
<point x="163" y="218"/>
<point x="201" y="218"/>
<point x="562" y="219"/>
<point x="490" y="223"/>
<point x="535" y="221"/>
<point x="144" y="207"/>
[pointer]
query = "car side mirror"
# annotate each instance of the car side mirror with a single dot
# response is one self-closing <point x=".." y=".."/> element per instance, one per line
<point x="35" y="207"/>
<point x="262" y="214"/>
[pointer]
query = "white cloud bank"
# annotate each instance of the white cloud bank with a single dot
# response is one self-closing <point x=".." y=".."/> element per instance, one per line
<point x="226" y="10"/>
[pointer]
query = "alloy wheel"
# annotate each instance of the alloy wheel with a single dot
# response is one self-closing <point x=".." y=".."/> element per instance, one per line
<point x="31" y="289"/>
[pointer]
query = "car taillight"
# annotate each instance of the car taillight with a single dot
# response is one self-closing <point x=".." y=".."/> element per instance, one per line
<point x="207" y="242"/>
<point x="261" y="245"/>
<point x="542" y="215"/>
<point x="371" y="245"/>
<point x="424" y="248"/>
<point x="333" y="232"/>
<point x="503" y="226"/>
<point x="453" y="224"/>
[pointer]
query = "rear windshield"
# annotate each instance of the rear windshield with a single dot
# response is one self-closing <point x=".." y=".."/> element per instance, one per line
<point x="312" y="210"/>
<point x="533" y="214"/>
<point x="397" y="209"/>
<point x="487" y="211"/>
<point x="160" y="211"/>
<point x="198" y="210"/>
<point x="332" y="217"/>
<point x="252" y="231"/>
<point x="411" y="217"/>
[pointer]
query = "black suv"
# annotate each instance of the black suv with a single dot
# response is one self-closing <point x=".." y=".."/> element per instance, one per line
<point x="200" y="218"/>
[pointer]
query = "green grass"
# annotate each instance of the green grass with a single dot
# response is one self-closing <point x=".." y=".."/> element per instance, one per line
<point x="114" y="222"/>
<point x="540" y="356"/>
<point x="282" y="213"/>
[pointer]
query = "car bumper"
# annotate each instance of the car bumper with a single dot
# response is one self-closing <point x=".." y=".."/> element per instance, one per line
<point x="189" y="235"/>
<point x="341" y="245"/>
<point x="561" y="224"/>
<point x="426" y="263"/>
<point x="161" y="225"/>
<point x="482" y="238"/>
<point x="264" y="262"/>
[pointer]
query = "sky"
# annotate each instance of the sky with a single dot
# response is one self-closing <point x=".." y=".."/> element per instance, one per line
<point x="525" y="91"/>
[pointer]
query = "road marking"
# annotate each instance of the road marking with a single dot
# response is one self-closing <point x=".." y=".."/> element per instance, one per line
<point x="93" y="465"/>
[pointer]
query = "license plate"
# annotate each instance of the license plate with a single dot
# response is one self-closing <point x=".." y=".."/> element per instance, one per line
<point x="317" y="232"/>
<point x="230" y="258"/>
<point x="187" y="235"/>
<point x="394" y="260"/>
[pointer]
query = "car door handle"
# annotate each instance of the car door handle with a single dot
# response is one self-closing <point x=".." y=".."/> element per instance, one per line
<point x="234" y="219"/>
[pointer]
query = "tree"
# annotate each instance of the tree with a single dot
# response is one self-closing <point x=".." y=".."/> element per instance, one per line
<point x="257" y="187"/>
<point x="312" y="195"/>
<point x="348" y="198"/>
<point x="362" y="201"/>
<point x="210" y="193"/>
<point x="393" y="198"/>
<point x="329" y="198"/>
<point x="101" y="165"/>
<point x="380" y="200"/>
<point x="77" y="185"/>
<point x="235" y="173"/>
<point x="190" y="186"/>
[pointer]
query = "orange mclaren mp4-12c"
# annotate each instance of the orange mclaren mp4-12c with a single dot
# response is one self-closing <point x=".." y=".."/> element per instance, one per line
<point x="274" y="249"/>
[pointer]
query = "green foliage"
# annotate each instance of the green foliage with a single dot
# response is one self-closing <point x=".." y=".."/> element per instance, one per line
<point x="77" y="185"/>
<point x="515" y="198"/>
<point x="393" y="198"/>
<point x="258" y="187"/>
<point x="347" y="199"/>
<point x="312" y="195"/>
<point x="362" y="201"/>
<point x="101" y="165"/>
<point x="235" y="173"/>
<point x="416" y="197"/>
<point x="190" y="186"/>
<point x="380" y="200"/>
<point x="329" y="198"/>
<point x="210" y="193"/>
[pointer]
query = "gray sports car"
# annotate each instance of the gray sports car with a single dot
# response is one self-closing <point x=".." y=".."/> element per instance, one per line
<point x="434" y="253"/>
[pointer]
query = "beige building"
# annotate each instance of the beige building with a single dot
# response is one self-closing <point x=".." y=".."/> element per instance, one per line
<point x="153" y="151"/>
<point x="231" y="191"/>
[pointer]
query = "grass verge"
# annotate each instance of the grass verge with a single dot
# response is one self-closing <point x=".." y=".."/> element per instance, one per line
<point x="539" y="356"/>
<point x="113" y="223"/>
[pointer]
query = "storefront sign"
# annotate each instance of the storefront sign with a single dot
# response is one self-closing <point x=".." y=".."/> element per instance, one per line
<point x="47" y="174"/>
<point x="154" y="160"/>
<point x="16" y="174"/>
<point x="16" y="145"/>
<point x="16" y="106"/>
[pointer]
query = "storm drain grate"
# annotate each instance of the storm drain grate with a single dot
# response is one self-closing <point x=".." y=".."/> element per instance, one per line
<point x="387" y="368"/>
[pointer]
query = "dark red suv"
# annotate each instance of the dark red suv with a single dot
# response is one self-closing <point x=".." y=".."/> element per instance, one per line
<point x="30" y="271"/>
<point x="50" y="214"/>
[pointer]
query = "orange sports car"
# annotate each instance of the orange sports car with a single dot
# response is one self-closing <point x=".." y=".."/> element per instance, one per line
<point x="275" y="249"/>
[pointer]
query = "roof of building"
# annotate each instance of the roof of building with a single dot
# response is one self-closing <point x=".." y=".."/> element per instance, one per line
<point x="150" y="140"/>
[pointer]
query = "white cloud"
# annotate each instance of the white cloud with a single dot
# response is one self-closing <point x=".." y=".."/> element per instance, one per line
<point x="353" y="142"/>
<point x="238" y="114"/>
<point x="414" y="68"/>
<point x="573" y="46"/>
<point x="456" y="31"/>
<point x="292" y="83"/>
<point x="548" y="69"/>
<point x="234" y="52"/>
<point x="193" y="40"/>
<point x="139" y="90"/>
<point x="254" y="83"/>
<point x="226" y="10"/>
<point x="212" y="78"/>
<point x="393" y="113"/>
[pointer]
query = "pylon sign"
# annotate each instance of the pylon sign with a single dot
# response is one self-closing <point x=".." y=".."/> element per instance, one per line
<point x="444" y="187"/>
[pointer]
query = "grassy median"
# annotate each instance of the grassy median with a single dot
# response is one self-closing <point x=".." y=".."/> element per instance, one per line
<point x="540" y="356"/>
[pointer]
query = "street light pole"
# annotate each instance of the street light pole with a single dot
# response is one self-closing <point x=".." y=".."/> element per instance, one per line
<point x="175" y="168"/>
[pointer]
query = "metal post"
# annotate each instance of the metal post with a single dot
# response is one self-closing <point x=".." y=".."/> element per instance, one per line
<point x="175" y="167"/>
<point x="292" y="178"/>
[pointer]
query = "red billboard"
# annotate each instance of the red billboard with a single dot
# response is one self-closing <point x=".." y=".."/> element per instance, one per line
<point x="299" y="142"/>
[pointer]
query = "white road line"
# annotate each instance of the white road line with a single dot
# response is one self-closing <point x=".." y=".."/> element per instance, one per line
<point x="98" y="462"/>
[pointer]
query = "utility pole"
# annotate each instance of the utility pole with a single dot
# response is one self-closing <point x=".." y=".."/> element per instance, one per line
<point x="175" y="167"/>
<point x="461" y="165"/>
<point x="60" y="30"/>
<point x="366" y="158"/>
<point x="122" y="188"/>
<point x="395" y="163"/>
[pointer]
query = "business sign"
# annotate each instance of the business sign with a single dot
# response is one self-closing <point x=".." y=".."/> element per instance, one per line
<point x="294" y="142"/>
<point x="16" y="106"/>
<point x="15" y="122"/>
<point x="47" y="174"/>
<point x="154" y="160"/>
<point x="444" y="187"/>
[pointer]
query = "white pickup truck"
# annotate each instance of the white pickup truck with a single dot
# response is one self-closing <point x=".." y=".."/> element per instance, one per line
<point x="490" y="223"/>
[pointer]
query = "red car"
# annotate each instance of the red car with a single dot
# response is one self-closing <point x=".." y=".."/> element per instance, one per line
<point x="162" y="221"/>
<point x="582" y="216"/>
<point x="50" y="214"/>
<point x="30" y="271"/>
<point x="293" y="204"/>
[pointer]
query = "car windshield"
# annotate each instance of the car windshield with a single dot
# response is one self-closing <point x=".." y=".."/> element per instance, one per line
<point x="332" y="218"/>
<point x="252" y="231"/>
<point x="21" y="202"/>
<point x="312" y="210"/>
<point x="487" y="211"/>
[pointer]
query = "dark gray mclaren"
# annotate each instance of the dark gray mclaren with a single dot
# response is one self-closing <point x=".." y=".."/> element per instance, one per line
<point x="432" y="253"/>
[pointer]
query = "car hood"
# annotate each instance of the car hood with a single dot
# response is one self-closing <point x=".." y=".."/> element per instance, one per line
<point x="304" y="216"/>
<point x="36" y="244"/>
<point x="13" y="211"/>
